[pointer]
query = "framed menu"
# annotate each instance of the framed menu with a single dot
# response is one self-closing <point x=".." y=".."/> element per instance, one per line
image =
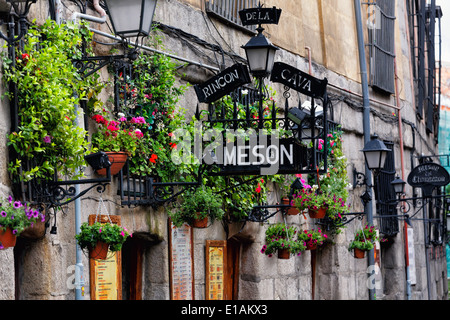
<point x="106" y="275"/>
<point x="181" y="262"/>
<point x="216" y="258"/>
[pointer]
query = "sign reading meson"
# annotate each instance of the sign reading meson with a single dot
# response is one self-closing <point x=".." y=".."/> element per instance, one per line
<point x="222" y="84"/>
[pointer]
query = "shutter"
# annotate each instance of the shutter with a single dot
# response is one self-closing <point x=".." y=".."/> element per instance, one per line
<point x="381" y="43"/>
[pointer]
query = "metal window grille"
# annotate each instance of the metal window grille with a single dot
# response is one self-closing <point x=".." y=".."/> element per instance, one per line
<point x="228" y="11"/>
<point x="381" y="23"/>
<point x="384" y="194"/>
<point x="426" y="70"/>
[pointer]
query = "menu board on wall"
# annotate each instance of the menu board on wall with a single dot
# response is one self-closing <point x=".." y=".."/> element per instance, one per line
<point x="106" y="278"/>
<point x="216" y="257"/>
<point x="106" y="275"/>
<point x="181" y="261"/>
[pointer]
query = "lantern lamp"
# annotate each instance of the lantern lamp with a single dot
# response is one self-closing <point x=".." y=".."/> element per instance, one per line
<point x="375" y="152"/>
<point x="260" y="54"/>
<point x="131" y="18"/>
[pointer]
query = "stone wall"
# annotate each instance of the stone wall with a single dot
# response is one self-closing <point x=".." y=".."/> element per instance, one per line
<point x="46" y="264"/>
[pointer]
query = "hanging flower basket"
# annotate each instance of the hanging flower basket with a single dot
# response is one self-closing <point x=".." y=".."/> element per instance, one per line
<point x="292" y="211"/>
<point x="7" y="238"/>
<point x="310" y="246"/>
<point x="317" y="214"/>
<point x="99" y="251"/>
<point x="117" y="159"/>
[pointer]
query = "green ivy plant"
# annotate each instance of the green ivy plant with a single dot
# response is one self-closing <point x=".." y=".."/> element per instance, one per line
<point x="197" y="204"/>
<point x="49" y="88"/>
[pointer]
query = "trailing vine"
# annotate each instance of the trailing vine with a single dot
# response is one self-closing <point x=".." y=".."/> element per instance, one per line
<point x="49" y="89"/>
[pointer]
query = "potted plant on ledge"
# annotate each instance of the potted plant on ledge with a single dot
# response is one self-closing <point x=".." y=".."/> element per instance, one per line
<point x="117" y="139"/>
<point x="15" y="217"/>
<point x="99" y="238"/>
<point x="196" y="208"/>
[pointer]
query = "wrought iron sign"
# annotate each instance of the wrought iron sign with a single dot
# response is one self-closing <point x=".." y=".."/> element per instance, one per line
<point x="259" y="15"/>
<point x="428" y="176"/>
<point x="223" y="83"/>
<point x="299" y="80"/>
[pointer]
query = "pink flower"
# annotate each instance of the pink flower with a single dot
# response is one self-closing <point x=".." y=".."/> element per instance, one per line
<point x="47" y="139"/>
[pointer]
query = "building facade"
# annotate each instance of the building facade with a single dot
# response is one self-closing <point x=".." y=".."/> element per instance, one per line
<point x="320" y="38"/>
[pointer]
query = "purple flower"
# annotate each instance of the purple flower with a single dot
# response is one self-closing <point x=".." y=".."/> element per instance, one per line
<point x="10" y="199"/>
<point x="47" y="139"/>
<point x="17" y="204"/>
<point x="14" y="231"/>
<point x="3" y="214"/>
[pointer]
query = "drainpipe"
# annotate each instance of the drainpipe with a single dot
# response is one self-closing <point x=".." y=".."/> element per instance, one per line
<point x="402" y="161"/>
<point x="98" y="8"/>
<point x="366" y="130"/>
<point x="79" y="268"/>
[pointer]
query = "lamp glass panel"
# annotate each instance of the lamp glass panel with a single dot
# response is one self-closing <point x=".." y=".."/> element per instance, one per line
<point x="271" y="59"/>
<point x="148" y="13"/>
<point x="373" y="159"/>
<point x="257" y="59"/>
<point x="125" y="16"/>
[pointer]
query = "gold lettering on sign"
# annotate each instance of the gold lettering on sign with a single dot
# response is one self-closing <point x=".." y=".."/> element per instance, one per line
<point x="216" y="269"/>
<point x="106" y="278"/>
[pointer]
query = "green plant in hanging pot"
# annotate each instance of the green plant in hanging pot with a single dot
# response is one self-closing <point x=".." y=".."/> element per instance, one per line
<point x="15" y="217"/>
<point x="363" y="241"/>
<point x="312" y="238"/>
<point x="197" y="207"/>
<point x="282" y="239"/>
<point x="99" y="238"/>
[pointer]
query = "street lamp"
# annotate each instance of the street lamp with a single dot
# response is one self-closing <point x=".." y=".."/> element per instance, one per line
<point x="260" y="54"/>
<point x="399" y="186"/>
<point x="375" y="152"/>
<point x="131" y="18"/>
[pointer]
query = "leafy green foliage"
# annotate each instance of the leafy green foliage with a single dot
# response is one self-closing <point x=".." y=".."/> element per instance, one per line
<point x="49" y="88"/>
<point x="197" y="204"/>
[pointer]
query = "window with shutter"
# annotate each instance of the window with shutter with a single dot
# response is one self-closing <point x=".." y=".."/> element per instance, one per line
<point x="381" y="25"/>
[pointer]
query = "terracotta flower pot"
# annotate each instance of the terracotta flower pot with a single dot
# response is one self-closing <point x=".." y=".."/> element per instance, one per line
<point x="7" y="238"/>
<point x="117" y="159"/>
<point x="358" y="253"/>
<point x="100" y="251"/>
<point x="290" y="211"/>
<point x="317" y="214"/>
<point x="200" y="223"/>
<point x="284" y="254"/>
